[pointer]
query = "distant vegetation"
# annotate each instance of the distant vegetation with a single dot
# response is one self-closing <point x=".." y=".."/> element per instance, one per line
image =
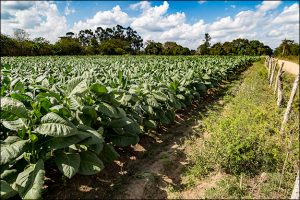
<point x="119" y="40"/>
<point x="288" y="50"/>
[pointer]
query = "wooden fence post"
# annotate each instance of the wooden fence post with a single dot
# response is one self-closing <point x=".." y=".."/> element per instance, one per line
<point x="267" y="61"/>
<point x="289" y="105"/>
<point x="280" y="89"/>
<point x="278" y="74"/>
<point x="295" y="194"/>
<point x="273" y="72"/>
<point x="269" y="67"/>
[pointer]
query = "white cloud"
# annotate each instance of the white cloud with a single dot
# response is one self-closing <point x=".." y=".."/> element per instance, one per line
<point x="289" y="15"/>
<point x="68" y="10"/>
<point x="39" y="19"/>
<point x="201" y="2"/>
<point x="104" y="19"/>
<point x="268" y="5"/>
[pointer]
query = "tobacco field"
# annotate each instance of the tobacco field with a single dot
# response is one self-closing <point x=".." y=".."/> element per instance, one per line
<point x="75" y="111"/>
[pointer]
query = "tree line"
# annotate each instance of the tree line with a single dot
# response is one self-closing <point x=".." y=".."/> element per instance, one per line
<point x="121" y="40"/>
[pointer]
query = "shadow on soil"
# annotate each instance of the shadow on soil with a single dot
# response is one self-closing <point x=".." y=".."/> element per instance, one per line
<point x="146" y="169"/>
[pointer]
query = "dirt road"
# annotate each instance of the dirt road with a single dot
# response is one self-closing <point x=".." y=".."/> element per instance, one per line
<point x="290" y="67"/>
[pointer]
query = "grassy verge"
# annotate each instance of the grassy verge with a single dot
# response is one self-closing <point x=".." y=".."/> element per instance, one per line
<point x="294" y="59"/>
<point x="242" y="143"/>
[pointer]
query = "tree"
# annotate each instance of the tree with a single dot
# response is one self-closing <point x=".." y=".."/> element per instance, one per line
<point x="70" y="34"/>
<point x="85" y="37"/>
<point x="153" y="48"/>
<point x="286" y="48"/>
<point x="68" y="46"/>
<point x="20" y="35"/>
<point x="203" y="49"/>
<point x="217" y="49"/>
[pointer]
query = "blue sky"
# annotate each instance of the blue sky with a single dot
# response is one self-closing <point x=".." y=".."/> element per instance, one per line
<point x="182" y="21"/>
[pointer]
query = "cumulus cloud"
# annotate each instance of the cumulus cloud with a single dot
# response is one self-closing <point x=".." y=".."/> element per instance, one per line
<point x="155" y="19"/>
<point x="68" y="10"/>
<point x="39" y="19"/>
<point x="288" y="15"/>
<point x="104" y="19"/>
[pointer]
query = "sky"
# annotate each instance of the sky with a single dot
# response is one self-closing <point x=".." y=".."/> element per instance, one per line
<point x="184" y="22"/>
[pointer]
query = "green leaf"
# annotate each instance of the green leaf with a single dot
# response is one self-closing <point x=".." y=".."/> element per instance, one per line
<point x="21" y="97"/>
<point x="60" y="109"/>
<point x="124" y="140"/>
<point x="148" y="109"/>
<point x="30" y="182"/>
<point x="56" y="126"/>
<point x="19" y="87"/>
<point x="76" y="86"/>
<point x="11" y="151"/>
<point x="63" y="142"/>
<point x="108" y="154"/>
<point x="67" y="163"/>
<point x="119" y="123"/>
<point x="93" y="136"/>
<point x="14" y="125"/>
<point x="90" y="164"/>
<point x="6" y="190"/>
<point x="150" y="124"/>
<point x="12" y="108"/>
<point x="107" y="110"/>
<point x="40" y="78"/>
<point x="180" y="96"/>
<point x="12" y="139"/>
<point x="151" y="101"/>
<point x="159" y="96"/>
<point x="98" y="89"/>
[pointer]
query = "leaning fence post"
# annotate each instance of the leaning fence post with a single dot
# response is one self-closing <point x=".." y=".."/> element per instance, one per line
<point x="278" y="74"/>
<point x="289" y="105"/>
<point x="272" y="74"/>
<point x="280" y="89"/>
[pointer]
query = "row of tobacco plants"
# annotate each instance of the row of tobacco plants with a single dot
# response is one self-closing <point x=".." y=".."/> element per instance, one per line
<point x="75" y="111"/>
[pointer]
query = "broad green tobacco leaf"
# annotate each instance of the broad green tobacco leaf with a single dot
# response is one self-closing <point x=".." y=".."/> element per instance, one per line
<point x="67" y="163"/>
<point x="108" y="153"/>
<point x="92" y="136"/>
<point x="56" y="126"/>
<point x="30" y="182"/>
<point x="119" y="123"/>
<point x="63" y="142"/>
<point x="107" y="110"/>
<point x="10" y="151"/>
<point x="12" y="109"/>
<point x="14" y="125"/>
<point x="90" y="163"/>
<point x="76" y="86"/>
<point x="98" y="89"/>
<point x="6" y="190"/>
<point x="124" y="140"/>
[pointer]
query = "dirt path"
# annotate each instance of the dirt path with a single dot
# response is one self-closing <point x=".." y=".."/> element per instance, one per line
<point x="290" y="67"/>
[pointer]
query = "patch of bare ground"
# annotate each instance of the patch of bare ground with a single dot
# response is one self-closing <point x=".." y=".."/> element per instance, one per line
<point x="145" y="170"/>
<point x="198" y="191"/>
